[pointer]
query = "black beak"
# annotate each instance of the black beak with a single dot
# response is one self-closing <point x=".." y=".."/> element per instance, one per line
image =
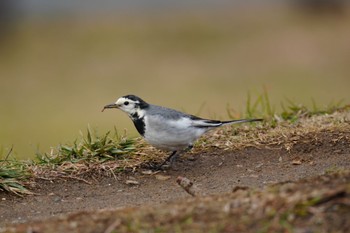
<point x="110" y="106"/>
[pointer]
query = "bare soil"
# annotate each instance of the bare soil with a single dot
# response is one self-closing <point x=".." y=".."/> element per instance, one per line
<point x="215" y="172"/>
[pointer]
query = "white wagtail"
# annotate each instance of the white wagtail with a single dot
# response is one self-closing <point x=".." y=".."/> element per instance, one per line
<point x="165" y="128"/>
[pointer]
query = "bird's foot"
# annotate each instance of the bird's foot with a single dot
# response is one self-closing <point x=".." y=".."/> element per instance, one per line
<point x="169" y="162"/>
<point x="153" y="166"/>
<point x="166" y="165"/>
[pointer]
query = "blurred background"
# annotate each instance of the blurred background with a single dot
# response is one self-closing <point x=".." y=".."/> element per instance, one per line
<point x="62" y="61"/>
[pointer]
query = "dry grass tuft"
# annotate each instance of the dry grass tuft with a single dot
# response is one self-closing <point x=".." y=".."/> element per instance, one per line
<point x="284" y="135"/>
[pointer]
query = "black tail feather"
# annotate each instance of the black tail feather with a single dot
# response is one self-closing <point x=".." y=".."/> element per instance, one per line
<point x="240" y="121"/>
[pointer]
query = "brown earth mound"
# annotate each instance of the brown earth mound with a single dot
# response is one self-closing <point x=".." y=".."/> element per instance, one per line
<point x="216" y="172"/>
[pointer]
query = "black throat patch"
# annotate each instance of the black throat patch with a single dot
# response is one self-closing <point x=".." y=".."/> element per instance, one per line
<point x="139" y="123"/>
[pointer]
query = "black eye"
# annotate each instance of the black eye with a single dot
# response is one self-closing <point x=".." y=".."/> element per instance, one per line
<point x="126" y="103"/>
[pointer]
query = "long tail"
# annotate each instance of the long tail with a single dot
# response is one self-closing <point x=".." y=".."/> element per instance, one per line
<point x="203" y="123"/>
<point x="240" y="121"/>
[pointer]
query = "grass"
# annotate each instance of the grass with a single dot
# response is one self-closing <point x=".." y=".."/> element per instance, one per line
<point x="261" y="106"/>
<point x="13" y="173"/>
<point x="91" y="155"/>
<point x="111" y="153"/>
<point x="90" y="149"/>
<point x="291" y="111"/>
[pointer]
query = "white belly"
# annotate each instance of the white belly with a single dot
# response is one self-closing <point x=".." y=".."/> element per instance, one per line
<point x="171" y="134"/>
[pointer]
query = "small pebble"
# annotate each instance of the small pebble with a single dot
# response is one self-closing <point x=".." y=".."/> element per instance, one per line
<point x="132" y="182"/>
<point x="296" y="162"/>
<point x="162" y="177"/>
<point x="147" y="172"/>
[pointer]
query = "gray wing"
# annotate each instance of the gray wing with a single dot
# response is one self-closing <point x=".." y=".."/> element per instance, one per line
<point x="172" y="114"/>
<point x="166" y="113"/>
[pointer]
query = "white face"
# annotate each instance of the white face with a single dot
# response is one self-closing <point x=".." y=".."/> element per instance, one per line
<point x="129" y="106"/>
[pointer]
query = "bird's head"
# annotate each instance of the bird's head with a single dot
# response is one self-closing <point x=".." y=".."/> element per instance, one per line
<point x="130" y="104"/>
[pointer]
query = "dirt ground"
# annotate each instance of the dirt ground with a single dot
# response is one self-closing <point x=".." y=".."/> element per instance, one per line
<point x="214" y="172"/>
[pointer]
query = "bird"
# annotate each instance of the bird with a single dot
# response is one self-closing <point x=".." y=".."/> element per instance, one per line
<point x="165" y="128"/>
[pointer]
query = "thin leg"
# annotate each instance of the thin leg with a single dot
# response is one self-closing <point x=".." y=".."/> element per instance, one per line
<point x="170" y="158"/>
